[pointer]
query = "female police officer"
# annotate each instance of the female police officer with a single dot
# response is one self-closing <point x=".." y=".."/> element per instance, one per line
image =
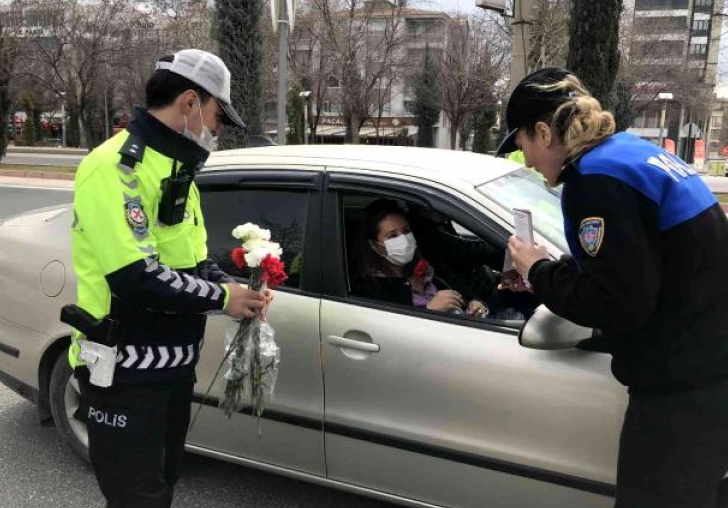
<point x="648" y="242"/>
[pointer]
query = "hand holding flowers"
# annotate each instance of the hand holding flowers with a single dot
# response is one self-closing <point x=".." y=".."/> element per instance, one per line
<point x="251" y="351"/>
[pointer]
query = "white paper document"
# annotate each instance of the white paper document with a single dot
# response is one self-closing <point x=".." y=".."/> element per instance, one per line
<point x="523" y="231"/>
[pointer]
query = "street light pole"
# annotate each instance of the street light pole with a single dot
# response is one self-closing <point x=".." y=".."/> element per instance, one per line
<point x="63" y="120"/>
<point x="305" y="96"/>
<point x="305" y="123"/>
<point x="664" y="97"/>
<point x="106" y="115"/>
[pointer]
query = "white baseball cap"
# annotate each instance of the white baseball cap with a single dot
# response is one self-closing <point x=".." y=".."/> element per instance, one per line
<point x="209" y="72"/>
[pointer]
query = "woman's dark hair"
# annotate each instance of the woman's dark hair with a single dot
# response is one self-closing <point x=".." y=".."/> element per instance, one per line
<point x="366" y="260"/>
<point x="165" y="86"/>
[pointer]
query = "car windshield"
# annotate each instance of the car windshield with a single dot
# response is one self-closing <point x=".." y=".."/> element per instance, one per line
<point x="526" y="189"/>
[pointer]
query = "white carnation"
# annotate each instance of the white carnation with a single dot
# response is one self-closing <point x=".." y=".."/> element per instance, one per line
<point x="255" y="243"/>
<point x="254" y="257"/>
<point x="275" y="250"/>
<point x="257" y="250"/>
<point x="250" y="231"/>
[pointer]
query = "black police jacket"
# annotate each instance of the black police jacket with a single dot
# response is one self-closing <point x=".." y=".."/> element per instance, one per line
<point x="649" y="243"/>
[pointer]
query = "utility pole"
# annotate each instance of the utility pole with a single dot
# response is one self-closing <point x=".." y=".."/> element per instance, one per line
<point x="521" y="38"/>
<point x="521" y="24"/>
<point x="283" y="27"/>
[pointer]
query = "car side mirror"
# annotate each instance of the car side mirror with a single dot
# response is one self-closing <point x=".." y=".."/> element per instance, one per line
<point x="547" y="331"/>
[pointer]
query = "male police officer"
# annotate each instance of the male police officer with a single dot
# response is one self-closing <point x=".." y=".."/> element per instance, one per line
<point x="139" y="251"/>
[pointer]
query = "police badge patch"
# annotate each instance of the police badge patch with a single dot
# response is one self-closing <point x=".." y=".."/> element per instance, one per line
<point x="136" y="217"/>
<point x="591" y="234"/>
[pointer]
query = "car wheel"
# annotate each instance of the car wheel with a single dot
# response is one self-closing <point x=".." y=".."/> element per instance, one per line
<point x="65" y="399"/>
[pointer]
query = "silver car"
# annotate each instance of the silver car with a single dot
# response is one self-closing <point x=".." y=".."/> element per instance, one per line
<point x="413" y="407"/>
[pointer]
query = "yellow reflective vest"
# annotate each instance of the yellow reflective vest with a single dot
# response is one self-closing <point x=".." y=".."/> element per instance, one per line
<point x="161" y="281"/>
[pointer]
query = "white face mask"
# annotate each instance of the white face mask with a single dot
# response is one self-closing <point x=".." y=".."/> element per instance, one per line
<point x="206" y="140"/>
<point x="401" y="250"/>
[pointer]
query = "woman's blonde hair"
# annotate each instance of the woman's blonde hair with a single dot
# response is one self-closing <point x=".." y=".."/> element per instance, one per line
<point x="580" y="122"/>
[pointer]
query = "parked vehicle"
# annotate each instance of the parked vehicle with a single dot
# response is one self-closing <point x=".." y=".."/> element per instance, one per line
<point x="410" y="406"/>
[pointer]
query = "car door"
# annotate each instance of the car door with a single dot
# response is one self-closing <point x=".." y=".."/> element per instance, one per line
<point x="454" y="412"/>
<point x="287" y="203"/>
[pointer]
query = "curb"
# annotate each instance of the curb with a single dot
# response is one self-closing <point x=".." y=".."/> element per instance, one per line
<point x="46" y="150"/>
<point x="47" y="175"/>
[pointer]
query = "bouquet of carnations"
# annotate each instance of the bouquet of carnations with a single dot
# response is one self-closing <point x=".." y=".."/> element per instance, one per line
<point x="251" y="352"/>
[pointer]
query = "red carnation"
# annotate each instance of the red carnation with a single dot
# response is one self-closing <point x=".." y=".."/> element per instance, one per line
<point x="238" y="257"/>
<point x="422" y="269"/>
<point x="273" y="271"/>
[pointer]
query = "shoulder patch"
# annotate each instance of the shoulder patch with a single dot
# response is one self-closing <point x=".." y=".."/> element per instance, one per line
<point x="591" y="235"/>
<point x="136" y="216"/>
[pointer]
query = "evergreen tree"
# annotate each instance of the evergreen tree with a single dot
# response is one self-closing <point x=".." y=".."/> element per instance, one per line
<point x="483" y="121"/>
<point x="29" y="128"/>
<point x="426" y="101"/>
<point x="294" y="112"/>
<point x="624" y="111"/>
<point x="593" y="46"/>
<point x="237" y="30"/>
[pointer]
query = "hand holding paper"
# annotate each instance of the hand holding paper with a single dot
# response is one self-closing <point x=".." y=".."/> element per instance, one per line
<point x="522" y="253"/>
<point x="524" y="256"/>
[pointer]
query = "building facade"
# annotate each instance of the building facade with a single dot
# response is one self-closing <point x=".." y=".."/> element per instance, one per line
<point x="406" y="37"/>
<point x="675" y="47"/>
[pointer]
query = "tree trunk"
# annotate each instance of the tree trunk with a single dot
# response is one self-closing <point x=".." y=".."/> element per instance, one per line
<point x="453" y="135"/>
<point x="355" y="128"/>
<point x="73" y="135"/>
<point x="4" y="118"/>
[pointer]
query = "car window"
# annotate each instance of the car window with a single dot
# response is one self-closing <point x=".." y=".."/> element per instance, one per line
<point x="460" y="261"/>
<point x="281" y="211"/>
<point x="526" y="189"/>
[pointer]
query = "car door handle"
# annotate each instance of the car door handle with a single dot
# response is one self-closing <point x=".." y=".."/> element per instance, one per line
<point x="359" y="345"/>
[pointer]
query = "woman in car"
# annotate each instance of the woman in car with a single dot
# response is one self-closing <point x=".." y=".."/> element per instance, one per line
<point x="389" y="267"/>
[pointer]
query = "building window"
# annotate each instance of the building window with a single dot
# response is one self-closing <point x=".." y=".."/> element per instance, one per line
<point x="420" y="27"/>
<point x="703" y="3"/>
<point x="700" y="25"/>
<point x="699" y="49"/>
<point x="378" y="25"/>
<point x="331" y="108"/>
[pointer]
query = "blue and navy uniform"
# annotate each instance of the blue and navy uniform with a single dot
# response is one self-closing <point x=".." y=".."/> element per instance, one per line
<point x="648" y="241"/>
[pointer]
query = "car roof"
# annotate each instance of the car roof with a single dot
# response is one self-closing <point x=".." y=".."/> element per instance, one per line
<point x="446" y="166"/>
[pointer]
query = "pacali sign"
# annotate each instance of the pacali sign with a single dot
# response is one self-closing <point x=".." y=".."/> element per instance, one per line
<point x="385" y="122"/>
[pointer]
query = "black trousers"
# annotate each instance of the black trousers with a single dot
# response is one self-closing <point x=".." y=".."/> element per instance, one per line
<point x="673" y="452"/>
<point x="136" y="439"/>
